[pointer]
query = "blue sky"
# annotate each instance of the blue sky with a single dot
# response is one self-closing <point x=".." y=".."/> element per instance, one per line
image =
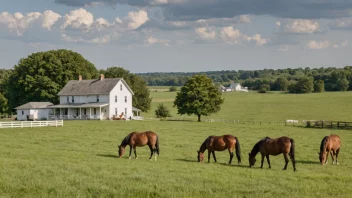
<point x="181" y="35"/>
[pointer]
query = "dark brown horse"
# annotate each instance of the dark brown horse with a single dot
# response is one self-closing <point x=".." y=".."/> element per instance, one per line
<point x="220" y="143"/>
<point x="135" y="139"/>
<point x="330" y="144"/>
<point x="268" y="146"/>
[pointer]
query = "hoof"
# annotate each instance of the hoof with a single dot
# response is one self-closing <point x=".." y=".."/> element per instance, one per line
<point x="337" y="163"/>
<point x="130" y="158"/>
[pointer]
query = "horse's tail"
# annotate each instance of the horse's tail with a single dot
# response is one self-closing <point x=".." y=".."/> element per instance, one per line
<point x="292" y="149"/>
<point x="157" y="144"/>
<point x="238" y="150"/>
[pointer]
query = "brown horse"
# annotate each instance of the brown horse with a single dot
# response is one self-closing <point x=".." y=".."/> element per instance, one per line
<point x="268" y="146"/>
<point x="140" y="139"/>
<point x="220" y="143"/>
<point x="330" y="144"/>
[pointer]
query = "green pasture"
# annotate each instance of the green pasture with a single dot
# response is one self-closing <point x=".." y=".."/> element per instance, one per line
<point x="79" y="160"/>
<point x="273" y="106"/>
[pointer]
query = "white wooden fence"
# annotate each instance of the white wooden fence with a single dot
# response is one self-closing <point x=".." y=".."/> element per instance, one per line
<point x="23" y="124"/>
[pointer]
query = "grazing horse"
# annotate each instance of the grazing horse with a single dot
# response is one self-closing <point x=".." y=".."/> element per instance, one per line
<point x="220" y="143"/>
<point x="268" y="146"/>
<point x="330" y="144"/>
<point x="140" y="139"/>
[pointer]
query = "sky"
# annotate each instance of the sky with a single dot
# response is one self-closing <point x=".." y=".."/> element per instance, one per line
<point x="181" y="35"/>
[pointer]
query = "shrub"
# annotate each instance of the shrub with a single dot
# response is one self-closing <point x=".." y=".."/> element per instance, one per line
<point x="161" y="111"/>
<point x="173" y="88"/>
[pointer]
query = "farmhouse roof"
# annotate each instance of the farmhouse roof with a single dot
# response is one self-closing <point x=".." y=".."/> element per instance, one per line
<point x="34" y="105"/>
<point x="91" y="87"/>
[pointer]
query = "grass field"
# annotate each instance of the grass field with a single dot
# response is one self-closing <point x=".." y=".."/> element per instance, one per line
<point x="79" y="159"/>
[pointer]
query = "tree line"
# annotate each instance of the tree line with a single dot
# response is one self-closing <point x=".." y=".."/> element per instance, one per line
<point x="40" y="77"/>
<point x="296" y="80"/>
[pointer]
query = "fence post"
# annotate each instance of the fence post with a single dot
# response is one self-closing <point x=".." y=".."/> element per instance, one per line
<point x="11" y="124"/>
<point x="21" y="124"/>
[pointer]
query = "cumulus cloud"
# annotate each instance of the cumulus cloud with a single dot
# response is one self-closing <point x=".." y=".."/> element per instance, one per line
<point x="302" y="26"/>
<point x="49" y="19"/>
<point x="136" y="19"/>
<point x="152" y="40"/>
<point x="342" y="24"/>
<point x="234" y="36"/>
<point x="78" y="19"/>
<point x="205" y="33"/>
<point x="317" y="45"/>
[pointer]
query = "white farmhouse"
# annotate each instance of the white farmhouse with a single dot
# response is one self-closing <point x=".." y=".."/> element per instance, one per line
<point x="33" y="111"/>
<point x="96" y="99"/>
<point x="234" y="87"/>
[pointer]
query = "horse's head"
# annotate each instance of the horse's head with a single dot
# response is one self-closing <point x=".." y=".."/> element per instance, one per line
<point x="121" y="151"/>
<point x="322" y="157"/>
<point x="252" y="160"/>
<point x="200" y="156"/>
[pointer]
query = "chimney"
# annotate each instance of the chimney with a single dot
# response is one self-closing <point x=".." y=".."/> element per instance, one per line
<point x="101" y="76"/>
<point x="79" y="77"/>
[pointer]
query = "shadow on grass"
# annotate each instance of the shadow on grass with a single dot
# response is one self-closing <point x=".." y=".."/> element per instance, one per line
<point x="104" y="155"/>
<point x="187" y="160"/>
<point x="307" y="162"/>
<point x="237" y="165"/>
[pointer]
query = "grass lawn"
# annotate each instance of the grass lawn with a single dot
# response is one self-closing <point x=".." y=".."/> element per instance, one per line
<point x="79" y="160"/>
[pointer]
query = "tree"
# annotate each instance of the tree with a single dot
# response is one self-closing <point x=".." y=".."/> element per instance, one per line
<point x="319" y="86"/>
<point x="198" y="96"/>
<point x="173" y="88"/>
<point x="342" y="84"/>
<point x="304" y="85"/>
<point x="3" y="104"/>
<point x="141" y="98"/>
<point x="162" y="111"/>
<point x="40" y="76"/>
<point x="281" y="83"/>
<point x="264" y="88"/>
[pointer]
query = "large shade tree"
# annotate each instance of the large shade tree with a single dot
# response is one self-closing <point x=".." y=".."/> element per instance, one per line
<point x="141" y="98"/>
<point x="40" y="76"/>
<point x="198" y="96"/>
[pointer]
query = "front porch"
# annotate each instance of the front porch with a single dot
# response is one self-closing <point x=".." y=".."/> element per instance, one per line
<point x="87" y="111"/>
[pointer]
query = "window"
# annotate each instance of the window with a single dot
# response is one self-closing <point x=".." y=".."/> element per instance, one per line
<point x="115" y="111"/>
<point x="115" y="98"/>
<point x="95" y="111"/>
<point x="125" y="111"/>
<point x="68" y="99"/>
<point x="73" y="99"/>
<point x="125" y="98"/>
<point x="22" y="112"/>
<point x="97" y="99"/>
<point x="121" y="87"/>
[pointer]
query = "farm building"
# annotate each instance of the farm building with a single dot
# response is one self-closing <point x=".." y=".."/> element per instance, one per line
<point x="234" y="87"/>
<point x="33" y="111"/>
<point x="97" y="99"/>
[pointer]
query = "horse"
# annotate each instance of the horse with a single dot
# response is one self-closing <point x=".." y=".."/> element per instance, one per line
<point x="330" y="144"/>
<point x="140" y="139"/>
<point x="220" y="143"/>
<point x="268" y="146"/>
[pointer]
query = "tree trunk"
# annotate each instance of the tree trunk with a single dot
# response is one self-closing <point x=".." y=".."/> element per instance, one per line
<point x="198" y="117"/>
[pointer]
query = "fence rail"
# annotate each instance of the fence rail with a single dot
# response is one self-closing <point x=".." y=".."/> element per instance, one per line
<point x="24" y="124"/>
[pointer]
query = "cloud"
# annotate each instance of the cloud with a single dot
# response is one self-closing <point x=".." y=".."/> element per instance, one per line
<point x="78" y="19"/>
<point x="278" y="23"/>
<point x="341" y="24"/>
<point x="317" y="45"/>
<point x="205" y="33"/>
<point x="49" y="19"/>
<point x="234" y="36"/>
<point x="302" y="26"/>
<point x="136" y="19"/>
<point x="18" y="22"/>
<point x="283" y="48"/>
<point x="151" y="40"/>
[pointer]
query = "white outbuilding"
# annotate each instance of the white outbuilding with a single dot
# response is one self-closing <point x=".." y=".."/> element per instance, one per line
<point x="33" y="111"/>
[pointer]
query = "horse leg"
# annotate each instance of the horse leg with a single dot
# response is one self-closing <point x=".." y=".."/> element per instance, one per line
<point x="261" y="166"/>
<point x="130" y="152"/>
<point x="293" y="161"/>
<point x="267" y="159"/>
<point x="332" y="157"/>
<point x="327" y="155"/>
<point x="155" y="153"/>
<point x="209" y="155"/>
<point x="286" y="161"/>
<point x="337" y="154"/>
<point x="151" y="152"/>
<point x="135" y="152"/>
<point x="213" y="152"/>
<point x="231" y="156"/>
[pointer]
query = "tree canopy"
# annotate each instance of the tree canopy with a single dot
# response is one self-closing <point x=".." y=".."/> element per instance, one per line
<point x="141" y="98"/>
<point x="198" y="96"/>
<point x="40" y="76"/>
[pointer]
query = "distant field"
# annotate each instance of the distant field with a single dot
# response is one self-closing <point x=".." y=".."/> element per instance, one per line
<point x="272" y="106"/>
<point x="79" y="160"/>
<point x="160" y="88"/>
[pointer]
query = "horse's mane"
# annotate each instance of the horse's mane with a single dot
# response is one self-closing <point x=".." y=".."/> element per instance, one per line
<point x="255" y="149"/>
<point x="126" y="140"/>
<point x="203" y="146"/>
<point x="323" y="143"/>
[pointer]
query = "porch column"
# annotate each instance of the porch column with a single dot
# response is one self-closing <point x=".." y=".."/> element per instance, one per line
<point x="60" y="114"/>
<point x="100" y="113"/>
<point x="90" y="111"/>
